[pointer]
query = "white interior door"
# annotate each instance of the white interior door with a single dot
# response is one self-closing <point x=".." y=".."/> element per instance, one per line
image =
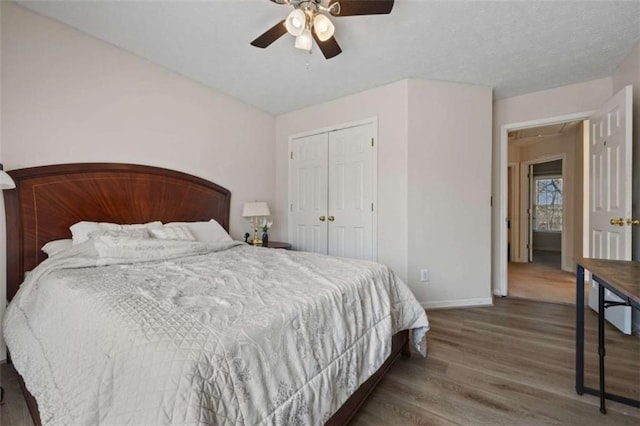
<point x="610" y="153"/>
<point x="308" y="193"/>
<point x="351" y="173"/>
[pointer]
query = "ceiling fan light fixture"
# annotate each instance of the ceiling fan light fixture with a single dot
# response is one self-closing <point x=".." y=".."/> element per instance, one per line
<point x="306" y="23"/>
<point x="334" y="9"/>
<point x="296" y="22"/>
<point x="323" y="27"/>
<point x="303" y="41"/>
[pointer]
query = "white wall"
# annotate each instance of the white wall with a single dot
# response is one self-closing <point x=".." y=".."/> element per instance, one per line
<point x="389" y="104"/>
<point x="629" y="73"/>
<point x="68" y="97"/>
<point x="450" y="193"/>
<point x="565" y="100"/>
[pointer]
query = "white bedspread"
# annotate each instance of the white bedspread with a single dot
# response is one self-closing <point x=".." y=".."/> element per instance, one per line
<point x="162" y="332"/>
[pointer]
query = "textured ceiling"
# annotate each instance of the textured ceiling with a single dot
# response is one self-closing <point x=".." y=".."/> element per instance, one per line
<point x="515" y="47"/>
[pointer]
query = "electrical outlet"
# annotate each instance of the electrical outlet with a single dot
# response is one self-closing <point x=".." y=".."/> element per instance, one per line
<point x="424" y="275"/>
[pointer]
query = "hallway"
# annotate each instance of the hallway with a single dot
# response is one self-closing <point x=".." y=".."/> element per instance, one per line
<point x="536" y="281"/>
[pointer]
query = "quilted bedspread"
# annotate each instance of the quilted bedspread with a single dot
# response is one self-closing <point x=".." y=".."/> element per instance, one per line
<point x="124" y="331"/>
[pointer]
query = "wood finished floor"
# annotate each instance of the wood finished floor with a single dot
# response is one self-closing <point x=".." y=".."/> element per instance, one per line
<point x="13" y="410"/>
<point x="510" y="364"/>
<point x="542" y="282"/>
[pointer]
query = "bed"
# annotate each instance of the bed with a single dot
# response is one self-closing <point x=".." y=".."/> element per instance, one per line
<point x="187" y="352"/>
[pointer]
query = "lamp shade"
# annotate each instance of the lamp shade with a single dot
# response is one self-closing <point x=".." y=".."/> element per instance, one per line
<point x="323" y="27"/>
<point x="5" y="180"/>
<point x="296" y="22"/>
<point x="257" y="208"/>
<point x="303" y="41"/>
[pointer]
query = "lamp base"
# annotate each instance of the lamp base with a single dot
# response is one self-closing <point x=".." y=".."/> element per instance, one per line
<point x="256" y="239"/>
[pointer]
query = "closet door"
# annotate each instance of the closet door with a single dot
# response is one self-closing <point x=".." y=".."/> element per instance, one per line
<point x="351" y="196"/>
<point x="308" y="193"/>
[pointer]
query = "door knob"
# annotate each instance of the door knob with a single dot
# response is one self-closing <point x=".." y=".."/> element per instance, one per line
<point x="331" y="218"/>
<point x="633" y="221"/>
<point x="619" y="222"/>
<point x="322" y="218"/>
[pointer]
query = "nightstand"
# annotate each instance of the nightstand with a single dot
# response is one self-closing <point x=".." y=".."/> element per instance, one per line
<point x="277" y="245"/>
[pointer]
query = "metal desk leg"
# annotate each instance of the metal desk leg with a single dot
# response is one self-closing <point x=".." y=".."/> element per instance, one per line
<point x="579" y="330"/>
<point x="601" y="352"/>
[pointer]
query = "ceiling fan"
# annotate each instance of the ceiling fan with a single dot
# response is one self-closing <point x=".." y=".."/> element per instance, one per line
<point x="309" y="19"/>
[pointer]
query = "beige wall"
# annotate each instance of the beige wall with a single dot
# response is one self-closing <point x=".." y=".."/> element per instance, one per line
<point x="389" y="104"/>
<point x="513" y="153"/>
<point x="422" y="149"/>
<point x="68" y="97"/>
<point x="3" y="254"/>
<point x="450" y="193"/>
<point x="71" y="98"/>
<point x="585" y="96"/>
<point x="629" y="73"/>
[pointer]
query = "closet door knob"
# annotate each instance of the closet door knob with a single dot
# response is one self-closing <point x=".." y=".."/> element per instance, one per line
<point x="619" y="222"/>
<point x="331" y="218"/>
<point x="322" y="218"/>
<point x="633" y="221"/>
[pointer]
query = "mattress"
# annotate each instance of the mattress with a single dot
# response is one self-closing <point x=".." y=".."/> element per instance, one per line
<point x="119" y="330"/>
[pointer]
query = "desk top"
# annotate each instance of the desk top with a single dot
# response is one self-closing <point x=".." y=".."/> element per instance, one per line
<point x="623" y="275"/>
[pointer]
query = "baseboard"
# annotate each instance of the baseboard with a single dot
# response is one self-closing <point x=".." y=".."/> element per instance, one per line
<point x="458" y="303"/>
<point x="566" y="268"/>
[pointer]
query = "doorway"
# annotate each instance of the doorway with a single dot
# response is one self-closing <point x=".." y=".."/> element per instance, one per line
<point x="546" y="213"/>
<point x="544" y="201"/>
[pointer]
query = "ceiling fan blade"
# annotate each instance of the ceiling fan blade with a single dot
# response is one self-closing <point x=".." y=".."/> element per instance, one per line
<point x="271" y="35"/>
<point x="361" y="7"/>
<point x="329" y="48"/>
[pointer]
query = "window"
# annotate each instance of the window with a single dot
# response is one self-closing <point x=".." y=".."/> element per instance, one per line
<point x="547" y="203"/>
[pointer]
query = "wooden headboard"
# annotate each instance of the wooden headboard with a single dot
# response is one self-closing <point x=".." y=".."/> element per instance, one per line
<point x="49" y="199"/>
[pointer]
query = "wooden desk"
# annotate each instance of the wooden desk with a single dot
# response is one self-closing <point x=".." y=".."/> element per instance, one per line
<point x="622" y="278"/>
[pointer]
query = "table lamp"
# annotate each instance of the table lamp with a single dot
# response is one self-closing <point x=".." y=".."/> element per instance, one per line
<point x="254" y="211"/>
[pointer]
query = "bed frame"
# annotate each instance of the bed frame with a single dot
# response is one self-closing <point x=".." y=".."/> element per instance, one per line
<point x="49" y="199"/>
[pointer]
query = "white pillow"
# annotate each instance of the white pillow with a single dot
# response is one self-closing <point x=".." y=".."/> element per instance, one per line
<point x="172" y="233"/>
<point x="52" y="248"/>
<point x="128" y="233"/>
<point x="81" y="230"/>
<point x="208" y="232"/>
